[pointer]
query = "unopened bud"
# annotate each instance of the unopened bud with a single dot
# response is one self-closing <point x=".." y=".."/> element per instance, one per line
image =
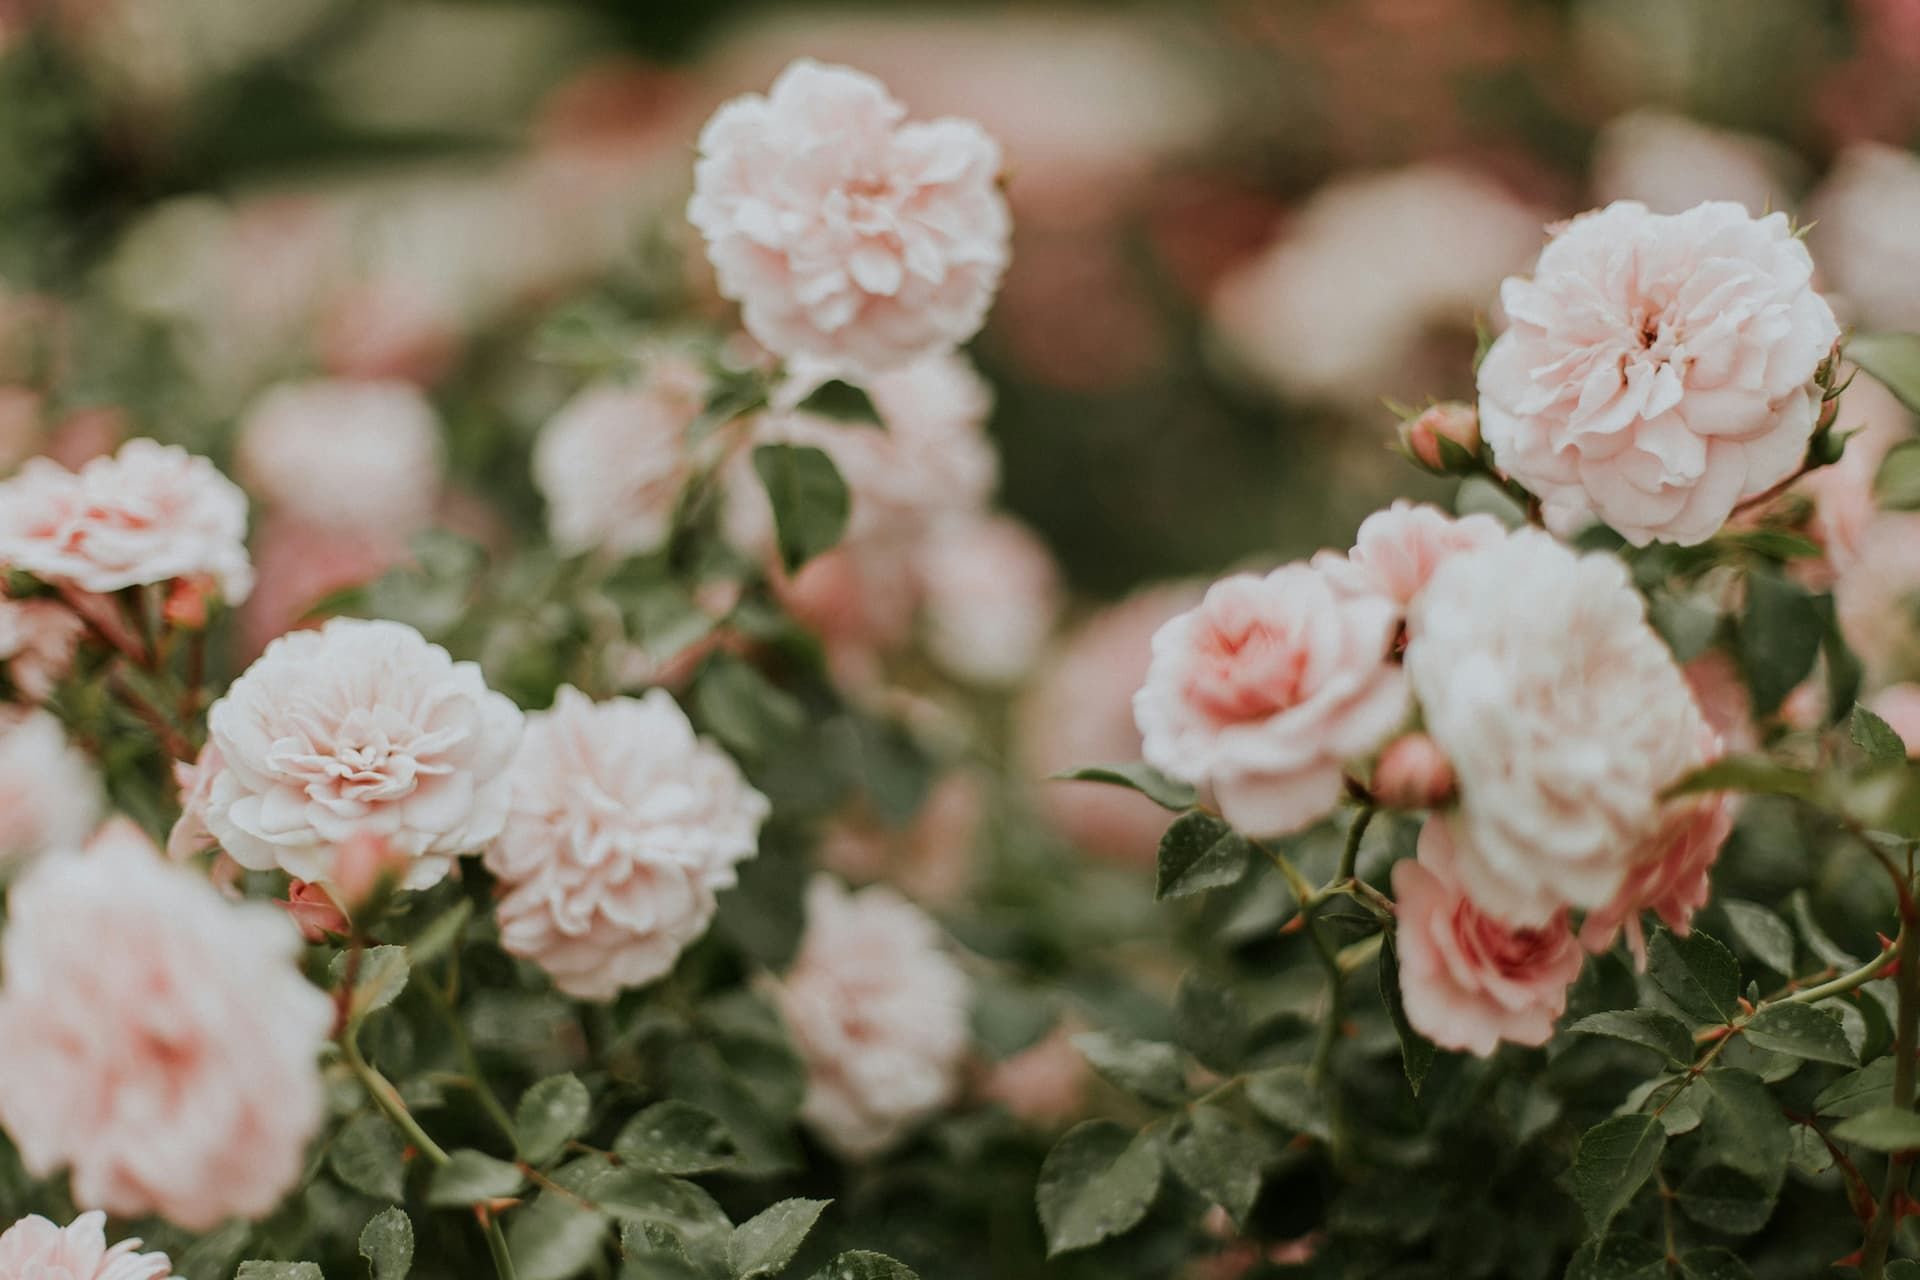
<point x="363" y="866"/>
<point x="314" y="910"/>
<point x="186" y="607"/>
<point x="1445" y="439"/>
<point x="1412" y="773"/>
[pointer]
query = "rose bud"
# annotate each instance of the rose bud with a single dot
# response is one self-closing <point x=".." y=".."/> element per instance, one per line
<point x="314" y="910"/>
<point x="364" y="867"/>
<point x="1412" y="774"/>
<point x="1445" y="439"/>
<point x="186" y="606"/>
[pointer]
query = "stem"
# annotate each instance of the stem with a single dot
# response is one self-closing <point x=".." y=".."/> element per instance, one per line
<point x="1873" y="1255"/>
<point x="1847" y="981"/>
<point x="388" y="1099"/>
<point x="476" y="1078"/>
<point x="1350" y="853"/>
<point x="1329" y="960"/>
<point x="496" y="1244"/>
<point x="172" y="741"/>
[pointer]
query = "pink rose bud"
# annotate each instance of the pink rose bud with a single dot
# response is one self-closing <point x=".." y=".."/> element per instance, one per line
<point x="362" y="863"/>
<point x="186" y="607"/>
<point x="314" y="910"/>
<point x="1413" y="773"/>
<point x="1451" y="421"/>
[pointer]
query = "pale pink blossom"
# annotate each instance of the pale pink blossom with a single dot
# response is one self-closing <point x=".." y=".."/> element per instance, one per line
<point x="1397" y="550"/>
<point x="38" y="640"/>
<point x="1671" y="163"/>
<point x="879" y="1013"/>
<point x="335" y="454"/>
<point x="1669" y="876"/>
<point x="1043" y="1084"/>
<point x="300" y="565"/>
<point x="1468" y="979"/>
<point x="1451" y="421"/>
<point x="162" y="1043"/>
<point x="360" y="727"/>
<point x="1078" y="710"/>
<point x="624" y="826"/>
<point x="149" y="513"/>
<point x="388" y="328"/>
<point x="990" y="597"/>
<point x="613" y="463"/>
<point x="1658" y="369"/>
<point x="35" y="1249"/>
<point x="1863" y="217"/>
<point x="1412" y="773"/>
<point x="1876" y="599"/>
<point x="847" y="234"/>
<point x="1720" y="691"/>
<point x="1842" y="493"/>
<point x="859" y="600"/>
<point x="1269" y="690"/>
<point x="1565" y="717"/>
<point x="50" y="791"/>
<point x="1899" y="706"/>
<point x="194" y="783"/>
<point x="931" y="859"/>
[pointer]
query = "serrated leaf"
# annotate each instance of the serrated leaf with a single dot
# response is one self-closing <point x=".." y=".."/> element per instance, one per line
<point x="1763" y="933"/>
<point x="551" y="1114"/>
<point x="469" y="1177"/>
<point x="766" y="1242"/>
<point x="1745" y="1129"/>
<point x="1884" y="1128"/>
<point x="1285" y="1097"/>
<point x="1893" y="360"/>
<point x="1166" y="792"/>
<point x="258" y="1270"/>
<point x="386" y="1242"/>
<point x="859" y="1264"/>
<point x="1803" y="1031"/>
<point x="381" y="978"/>
<point x="842" y="402"/>
<point x="1672" y="1100"/>
<point x="369" y="1155"/>
<point x="810" y="500"/>
<point x="1416" y="1051"/>
<point x="1857" y="1091"/>
<point x="1807" y="1151"/>
<point x="1614" y="1159"/>
<point x="1875" y="737"/>
<point x="678" y="1138"/>
<point x="1618" y="1258"/>
<point x="1725" y="1200"/>
<point x="1220" y="1157"/>
<point x="1149" y="1069"/>
<point x="651" y="1203"/>
<point x="1097" y="1182"/>
<point x="553" y="1237"/>
<point x="1210" y="1022"/>
<point x="1697" y="973"/>
<point x="1649" y="1028"/>
<point x="1197" y="853"/>
<point x="1778" y="638"/>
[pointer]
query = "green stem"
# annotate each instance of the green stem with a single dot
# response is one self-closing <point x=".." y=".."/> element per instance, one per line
<point x="497" y="1245"/>
<point x="1350" y="853"/>
<point x="1847" y="981"/>
<point x="476" y="1078"/>
<point x="1906" y="1030"/>
<point x="388" y="1099"/>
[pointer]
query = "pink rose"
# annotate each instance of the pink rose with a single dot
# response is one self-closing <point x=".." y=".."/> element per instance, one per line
<point x="34" y="1249"/>
<point x="624" y="826"/>
<point x="162" y="1044"/>
<point x="1843" y="502"/>
<point x="930" y="860"/>
<point x="1451" y="421"/>
<point x="1468" y="980"/>
<point x="1672" y="163"/>
<point x="1873" y="599"/>
<point x="1658" y="369"/>
<point x="343" y="455"/>
<point x="359" y="728"/>
<point x="194" y="783"/>
<point x="1412" y="773"/>
<point x="388" y="328"/>
<point x="149" y="513"/>
<point x="991" y="594"/>
<point x="847" y="235"/>
<point x="878" y="1012"/>
<point x="50" y="792"/>
<point x="313" y="910"/>
<point x="1397" y="550"/>
<point x="300" y="565"/>
<point x="38" y="640"/>
<point x="1564" y="714"/>
<point x="1863" y="216"/>
<point x="1720" y="691"/>
<point x="612" y="464"/>
<point x="1268" y="690"/>
<point x="1669" y="876"/>
<point x="1044" y="1084"/>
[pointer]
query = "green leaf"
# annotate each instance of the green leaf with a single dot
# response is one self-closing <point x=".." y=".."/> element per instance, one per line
<point x="1614" y="1158"/>
<point x="381" y="978"/>
<point x="1807" y="1152"/>
<point x="1903" y="1269"/>
<point x="1286" y="1098"/>
<point x="1745" y="1129"/>
<point x="1210" y="1022"/>
<point x="369" y="1155"/>
<point x="1725" y="1200"/>
<point x="1097" y="1182"/>
<point x="553" y="1237"/>
<point x="1416" y="1051"/>
<point x="1712" y="1264"/>
<point x="1777" y="638"/>
<point x="1884" y="1128"/>
<point x="1892" y="359"/>
<point x="1762" y="933"/>
<point x="1875" y="737"/>
<point x="766" y="1242"/>
<point x="1662" y="1033"/>
<point x="551" y="1114"/>
<point x="745" y="710"/>
<point x="470" y="1177"/>
<point x="256" y="1270"/>
<point x="652" y="1203"/>
<point x="1754" y="775"/>
<point x="842" y="402"/>
<point x="1697" y="973"/>
<point x="1619" y="1258"/>
<point x="1146" y="1068"/>
<point x="1197" y="853"/>
<point x="810" y="500"/>
<point x="441" y="935"/>
<point x="214" y="1255"/>
<point x="676" y="1137"/>
<point x="1220" y="1157"/>
<point x="1857" y="1091"/>
<point x="1686" y="624"/>
<point x="859" y="1264"/>
<point x="1803" y="1031"/>
<point x="1829" y="951"/>
<point x="386" y="1242"/>
<point x="1144" y="778"/>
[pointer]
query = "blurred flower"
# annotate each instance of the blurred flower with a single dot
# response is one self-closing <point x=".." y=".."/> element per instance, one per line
<point x="300" y="565"/>
<point x="1044" y="1084"/>
<point x="1669" y="876"/>
<point x="149" y="513"/>
<point x="992" y="594"/>
<point x="1412" y="773"/>
<point x="1565" y="717"/>
<point x="1877" y="599"/>
<point x="387" y="330"/>
<point x="50" y="791"/>
<point x="34" y="1249"/>
<point x="1342" y="300"/>
<point x="161" y="1041"/>
<point x="930" y="860"/>
<point x="359" y="727"/>
<point x="1842" y="493"/>
<point x="38" y="639"/>
<point x="624" y="826"/>
<point x="1268" y="690"/>
<point x="1720" y="691"/>
<point x="194" y="784"/>
<point x="1078" y="710"/>
<point x="339" y="454"/>
<point x="613" y="462"/>
<point x="1658" y="369"/>
<point x="847" y="235"/>
<point x="879" y="1013"/>
<point x="1396" y="551"/>
<point x="1863" y="218"/>
<point x="1671" y="163"/>
<point x="1468" y="980"/>
<point x="1899" y="706"/>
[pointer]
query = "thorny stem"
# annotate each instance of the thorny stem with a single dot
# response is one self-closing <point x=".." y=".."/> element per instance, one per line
<point x="388" y="1099"/>
<point x="496" y="1242"/>
<point x="1906" y="1029"/>
<point x="1329" y="960"/>
<point x="475" y="1079"/>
